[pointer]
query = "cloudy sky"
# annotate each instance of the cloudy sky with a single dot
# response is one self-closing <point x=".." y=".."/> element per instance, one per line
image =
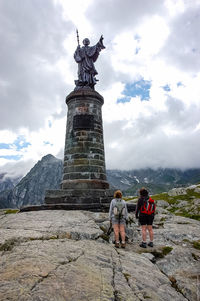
<point x="149" y="76"/>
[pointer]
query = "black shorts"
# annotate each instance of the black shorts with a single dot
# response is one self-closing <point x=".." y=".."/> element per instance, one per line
<point x="146" y="219"/>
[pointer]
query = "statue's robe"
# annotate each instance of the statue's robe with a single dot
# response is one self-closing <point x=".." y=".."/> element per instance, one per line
<point x="86" y="56"/>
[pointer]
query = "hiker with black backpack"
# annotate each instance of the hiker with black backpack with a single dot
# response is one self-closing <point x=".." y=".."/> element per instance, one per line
<point x="118" y="216"/>
<point x="145" y="210"/>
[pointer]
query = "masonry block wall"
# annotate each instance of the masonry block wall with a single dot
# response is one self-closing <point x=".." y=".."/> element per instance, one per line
<point x="84" y="159"/>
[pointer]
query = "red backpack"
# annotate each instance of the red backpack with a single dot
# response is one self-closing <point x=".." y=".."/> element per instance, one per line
<point x="148" y="206"/>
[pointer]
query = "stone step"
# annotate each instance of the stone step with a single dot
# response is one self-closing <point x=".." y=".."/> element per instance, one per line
<point x="89" y="207"/>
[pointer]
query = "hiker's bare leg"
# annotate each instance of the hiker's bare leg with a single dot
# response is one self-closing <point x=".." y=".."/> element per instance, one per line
<point x="116" y="232"/>
<point x="122" y="232"/>
<point x="150" y="229"/>
<point x="144" y="233"/>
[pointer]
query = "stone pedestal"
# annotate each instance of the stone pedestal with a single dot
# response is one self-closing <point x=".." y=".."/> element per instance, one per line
<point x="84" y="174"/>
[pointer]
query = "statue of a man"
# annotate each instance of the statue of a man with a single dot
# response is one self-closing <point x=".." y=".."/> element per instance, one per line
<point x="86" y="56"/>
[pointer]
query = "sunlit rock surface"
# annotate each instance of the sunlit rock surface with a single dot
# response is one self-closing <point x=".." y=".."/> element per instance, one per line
<point x="66" y="255"/>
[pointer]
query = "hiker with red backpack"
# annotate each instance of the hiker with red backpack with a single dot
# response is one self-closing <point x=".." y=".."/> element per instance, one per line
<point x="145" y="210"/>
<point x="118" y="216"/>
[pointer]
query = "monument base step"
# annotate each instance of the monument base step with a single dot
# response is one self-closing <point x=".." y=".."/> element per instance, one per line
<point x="79" y="196"/>
<point x="63" y="206"/>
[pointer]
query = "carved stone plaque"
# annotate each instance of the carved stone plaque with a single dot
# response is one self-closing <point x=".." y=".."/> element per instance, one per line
<point x="83" y="122"/>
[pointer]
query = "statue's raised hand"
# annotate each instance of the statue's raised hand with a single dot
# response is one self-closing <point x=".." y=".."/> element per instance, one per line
<point x="101" y="39"/>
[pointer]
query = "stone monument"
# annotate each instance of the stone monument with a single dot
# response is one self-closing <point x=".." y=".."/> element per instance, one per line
<point x="84" y="184"/>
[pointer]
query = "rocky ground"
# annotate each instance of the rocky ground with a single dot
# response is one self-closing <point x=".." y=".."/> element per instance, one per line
<point x="67" y="256"/>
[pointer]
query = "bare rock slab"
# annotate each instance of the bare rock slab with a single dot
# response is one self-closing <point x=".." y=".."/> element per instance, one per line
<point x="60" y="255"/>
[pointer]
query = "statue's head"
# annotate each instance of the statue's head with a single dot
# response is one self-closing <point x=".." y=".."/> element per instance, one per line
<point x="86" y="42"/>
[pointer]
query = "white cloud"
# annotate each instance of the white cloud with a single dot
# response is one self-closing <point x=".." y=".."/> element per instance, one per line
<point x="7" y="136"/>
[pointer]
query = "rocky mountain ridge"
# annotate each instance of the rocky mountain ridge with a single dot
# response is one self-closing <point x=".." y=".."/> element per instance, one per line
<point x="68" y="255"/>
<point x="47" y="174"/>
<point x="156" y="181"/>
<point x="31" y="189"/>
<point x="7" y="183"/>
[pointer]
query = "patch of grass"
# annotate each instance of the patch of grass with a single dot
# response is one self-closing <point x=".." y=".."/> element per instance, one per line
<point x="103" y="229"/>
<point x="191" y="194"/>
<point x="165" y="197"/>
<point x="11" y="211"/>
<point x="196" y="244"/>
<point x="173" y="209"/>
<point x="44" y="238"/>
<point x="186" y="240"/>
<point x="127" y="276"/>
<point x="162" y="253"/>
<point x="105" y="237"/>
<point x="8" y="245"/>
<point x="166" y="250"/>
<point x="157" y="254"/>
<point x="188" y="215"/>
<point x="163" y="219"/>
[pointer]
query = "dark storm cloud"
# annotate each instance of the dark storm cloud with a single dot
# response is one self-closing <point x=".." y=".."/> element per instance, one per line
<point x="31" y="35"/>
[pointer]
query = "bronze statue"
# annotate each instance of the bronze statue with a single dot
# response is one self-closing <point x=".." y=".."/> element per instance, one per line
<point x="86" y="56"/>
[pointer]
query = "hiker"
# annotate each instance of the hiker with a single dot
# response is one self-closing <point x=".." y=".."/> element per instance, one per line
<point x="118" y="215"/>
<point x="145" y="210"/>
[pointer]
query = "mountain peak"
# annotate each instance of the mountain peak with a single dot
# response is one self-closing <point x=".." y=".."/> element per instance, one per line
<point x="49" y="157"/>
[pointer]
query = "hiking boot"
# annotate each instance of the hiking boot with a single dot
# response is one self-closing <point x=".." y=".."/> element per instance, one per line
<point x="150" y="244"/>
<point x="143" y="245"/>
<point x="123" y="245"/>
<point x="117" y="245"/>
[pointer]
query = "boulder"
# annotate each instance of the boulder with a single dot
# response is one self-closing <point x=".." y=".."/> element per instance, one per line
<point x="177" y="191"/>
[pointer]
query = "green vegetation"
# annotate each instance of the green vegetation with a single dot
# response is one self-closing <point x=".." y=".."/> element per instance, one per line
<point x="103" y="229"/>
<point x="127" y="276"/>
<point x="105" y="237"/>
<point x="173" y="209"/>
<point x="186" y="214"/>
<point x="11" y="211"/>
<point x="157" y="254"/>
<point x="196" y="244"/>
<point x="162" y="253"/>
<point x="44" y="238"/>
<point x="191" y="194"/>
<point x="8" y="245"/>
<point x="186" y="211"/>
<point x="166" y="250"/>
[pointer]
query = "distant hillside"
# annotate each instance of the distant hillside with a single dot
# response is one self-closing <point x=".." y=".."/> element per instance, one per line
<point x="47" y="174"/>
<point x="156" y="181"/>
